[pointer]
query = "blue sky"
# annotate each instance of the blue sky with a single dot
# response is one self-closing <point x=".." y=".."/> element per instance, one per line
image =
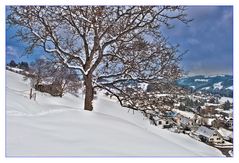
<point x="15" y="49"/>
<point x="208" y="39"/>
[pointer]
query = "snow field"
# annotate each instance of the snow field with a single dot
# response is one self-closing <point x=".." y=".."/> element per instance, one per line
<point x="52" y="126"/>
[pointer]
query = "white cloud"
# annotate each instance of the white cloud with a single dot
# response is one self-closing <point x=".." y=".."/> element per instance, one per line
<point x="11" y="51"/>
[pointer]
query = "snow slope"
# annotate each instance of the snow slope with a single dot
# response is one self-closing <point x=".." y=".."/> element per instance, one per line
<point x="218" y="85"/>
<point x="231" y="88"/>
<point x="53" y="126"/>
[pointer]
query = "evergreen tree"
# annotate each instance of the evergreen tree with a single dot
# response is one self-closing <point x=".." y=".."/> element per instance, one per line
<point x="12" y="63"/>
<point x="226" y="105"/>
<point x="23" y="65"/>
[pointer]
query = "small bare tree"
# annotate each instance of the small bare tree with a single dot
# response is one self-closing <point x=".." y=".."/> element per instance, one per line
<point x="67" y="79"/>
<point x="40" y="70"/>
<point x="60" y="79"/>
<point x="114" y="44"/>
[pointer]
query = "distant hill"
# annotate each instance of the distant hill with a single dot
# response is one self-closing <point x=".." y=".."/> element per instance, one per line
<point x="221" y="84"/>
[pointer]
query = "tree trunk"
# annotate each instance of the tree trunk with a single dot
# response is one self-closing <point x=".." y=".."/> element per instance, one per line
<point x="88" y="93"/>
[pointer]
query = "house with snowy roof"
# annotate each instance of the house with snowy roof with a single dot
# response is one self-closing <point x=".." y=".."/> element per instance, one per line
<point x="171" y="114"/>
<point x="186" y="122"/>
<point x="182" y="121"/>
<point x="227" y="113"/>
<point x="226" y="134"/>
<point x="208" y="135"/>
<point x="229" y="123"/>
<point x="166" y="123"/>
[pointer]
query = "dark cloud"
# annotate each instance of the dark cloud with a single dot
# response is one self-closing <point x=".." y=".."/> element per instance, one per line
<point x="209" y="39"/>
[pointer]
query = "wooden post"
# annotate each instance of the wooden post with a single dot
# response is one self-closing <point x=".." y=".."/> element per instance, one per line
<point x="30" y="93"/>
<point x="35" y="96"/>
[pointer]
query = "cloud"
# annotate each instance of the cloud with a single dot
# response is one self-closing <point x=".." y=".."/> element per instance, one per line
<point x="226" y="18"/>
<point x="227" y="15"/>
<point x="11" y="51"/>
<point x="202" y="12"/>
<point x="193" y="41"/>
<point x="209" y="40"/>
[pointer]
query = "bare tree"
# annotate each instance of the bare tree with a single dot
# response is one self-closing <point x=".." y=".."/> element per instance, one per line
<point x="67" y="80"/>
<point x="114" y="44"/>
<point x="54" y="78"/>
<point x="40" y="70"/>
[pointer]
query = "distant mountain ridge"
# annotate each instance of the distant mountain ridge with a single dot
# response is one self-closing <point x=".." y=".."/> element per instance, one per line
<point x="220" y="84"/>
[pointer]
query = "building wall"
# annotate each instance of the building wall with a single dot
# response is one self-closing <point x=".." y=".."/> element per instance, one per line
<point x="215" y="139"/>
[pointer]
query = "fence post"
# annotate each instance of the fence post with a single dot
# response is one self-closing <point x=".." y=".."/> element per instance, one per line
<point x="30" y="93"/>
<point x="35" y="96"/>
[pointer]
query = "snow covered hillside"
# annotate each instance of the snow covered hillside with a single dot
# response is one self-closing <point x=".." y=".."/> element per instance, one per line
<point x="53" y="126"/>
<point x="220" y="84"/>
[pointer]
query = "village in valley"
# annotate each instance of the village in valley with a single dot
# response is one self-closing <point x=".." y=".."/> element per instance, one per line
<point x="202" y="116"/>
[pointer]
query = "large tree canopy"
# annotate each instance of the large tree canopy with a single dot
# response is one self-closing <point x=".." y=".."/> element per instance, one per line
<point x="112" y="46"/>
